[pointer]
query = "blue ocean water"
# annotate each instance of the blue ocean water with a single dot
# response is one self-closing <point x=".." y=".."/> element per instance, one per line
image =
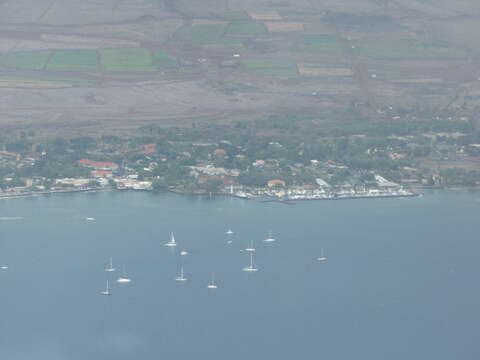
<point x="400" y="282"/>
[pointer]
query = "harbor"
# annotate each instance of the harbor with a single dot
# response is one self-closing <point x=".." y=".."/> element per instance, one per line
<point x="300" y="193"/>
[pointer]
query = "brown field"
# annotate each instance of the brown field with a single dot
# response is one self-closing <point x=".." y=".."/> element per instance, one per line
<point x="32" y="84"/>
<point x="217" y="88"/>
<point x="264" y="15"/>
<point x="282" y="26"/>
<point x="89" y="42"/>
<point x="207" y="22"/>
<point x="315" y="70"/>
<point x="358" y="35"/>
<point x="419" y="81"/>
<point x="317" y="29"/>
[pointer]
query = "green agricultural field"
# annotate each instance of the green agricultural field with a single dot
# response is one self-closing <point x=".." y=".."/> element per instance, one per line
<point x="26" y="60"/>
<point x="246" y="28"/>
<point x="322" y="43"/>
<point x="127" y="60"/>
<point x="73" y="60"/>
<point x="368" y="23"/>
<point x="44" y="79"/>
<point x="203" y="33"/>
<point x="272" y="67"/>
<point x="162" y="60"/>
<point x="407" y="49"/>
<point x="232" y="15"/>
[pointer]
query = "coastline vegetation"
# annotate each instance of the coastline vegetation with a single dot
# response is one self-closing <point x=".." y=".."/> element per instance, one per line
<point x="296" y="149"/>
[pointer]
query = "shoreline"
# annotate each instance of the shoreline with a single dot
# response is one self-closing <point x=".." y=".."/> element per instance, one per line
<point x="289" y="201"/>
<point x="48" y="192"/>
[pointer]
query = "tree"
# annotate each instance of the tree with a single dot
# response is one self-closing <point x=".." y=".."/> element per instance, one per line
<point x="212" y="185"/>
<point x="93" y="183"/>
<point x="17" y="182"/>
<point x="159" y="184"/>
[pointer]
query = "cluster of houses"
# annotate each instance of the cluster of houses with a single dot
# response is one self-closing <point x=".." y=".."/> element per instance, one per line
<point x="103" y="174"/>
<point x="277" y="189"/>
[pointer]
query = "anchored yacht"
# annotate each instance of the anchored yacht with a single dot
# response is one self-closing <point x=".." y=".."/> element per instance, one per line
<point x="124" y="279"/>
<point x="270" y="238"/>
<point x="106" y="291"/>
<point x="182" y="276"/>
<point x="172" y="242"/>
<point x="212" y="284"/>
<point x="251" y="248"/>
<point x="110" y="267"/>
<point x="251" y="267"/>
<point x="322" y="257"/>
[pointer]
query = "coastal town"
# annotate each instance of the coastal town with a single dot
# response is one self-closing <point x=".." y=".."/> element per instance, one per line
<point x="255" y="160"/>
<point x="262" y="171"/>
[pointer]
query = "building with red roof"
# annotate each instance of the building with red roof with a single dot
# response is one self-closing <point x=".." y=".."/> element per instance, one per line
<point x="219" y="153"/>
<point x="148" y="149"/>
<point x="10" y="154"/>
<point x="276" y="182"/>
<point x="101" y="173"/>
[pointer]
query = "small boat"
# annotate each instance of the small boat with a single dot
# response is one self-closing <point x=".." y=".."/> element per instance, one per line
<point x="90" y="219"/>
<point x="184" y="253"/>
<point x="212" y="284"/>
<point x="251" y="267"/>
<point x="106" y="291"/>
<point x="270" y="238"/>
<point x="182" y="276"/>
<point x="172" y="242"/>
<point x="229" y="232"/>
<point x="322" y="257"/>
<point x="110" y="267"/>
<point x="251" y="248"/>
<point x="124" y="279"/>
<point x="3" y="267"/>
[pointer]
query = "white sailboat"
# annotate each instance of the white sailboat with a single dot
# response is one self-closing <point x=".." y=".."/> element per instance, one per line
<point x="322" y="257"/>
<point x="124" y="279"/>
<point x="182" y="276"/>
<point x="251" y="267"/>
<point x="229" y="232"/>
<point x="270" y="238"/>
<point x="106" y="291"/>
<point x="110" y="267"/>
<point x="212" y="284"/>
<point x="251" y="248"/>
<point x="172" y="242"/>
